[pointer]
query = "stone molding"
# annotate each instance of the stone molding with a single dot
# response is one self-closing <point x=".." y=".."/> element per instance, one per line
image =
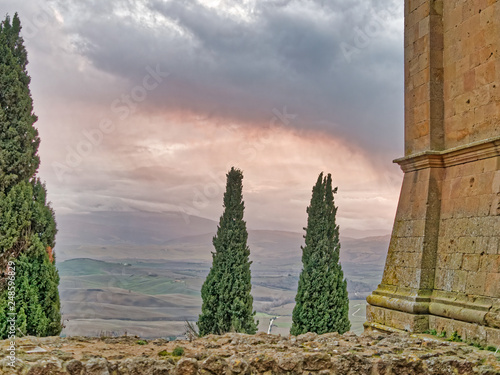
<point x="467" y="308"/>
<point x="408" y="300"/>
<point x="443" y="159"/>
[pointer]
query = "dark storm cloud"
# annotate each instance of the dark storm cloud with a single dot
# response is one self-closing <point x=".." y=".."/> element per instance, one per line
<point x="286" y="53"/>
<point x="229" y="75"/>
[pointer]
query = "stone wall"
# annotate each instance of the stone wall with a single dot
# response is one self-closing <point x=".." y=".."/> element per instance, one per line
<point x="471" y="71"/>
<point x="423" y="76"/>
<point x="443" y="265"/>
<point x="452" y="72"/>
<point x="369" y="354"/>
<point x="468" y="248"/>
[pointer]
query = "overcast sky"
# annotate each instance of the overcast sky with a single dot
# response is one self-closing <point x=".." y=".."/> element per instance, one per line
<point x="145" y="105"/>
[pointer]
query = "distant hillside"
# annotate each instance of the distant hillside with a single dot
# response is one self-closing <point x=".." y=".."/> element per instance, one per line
<point x="170" y="235"/>
<point x="142" y="272"/>
<point x="282" y="247"/>
<point x="267" y="248"/>
<point x="128" y="228"/>
<point x="369" y="250"/>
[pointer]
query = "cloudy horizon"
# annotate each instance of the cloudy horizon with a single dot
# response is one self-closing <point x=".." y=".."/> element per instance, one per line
<point x="145" y="105"/>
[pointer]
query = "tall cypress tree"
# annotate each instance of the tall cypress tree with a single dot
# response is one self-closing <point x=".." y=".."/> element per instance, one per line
<point x="322" y="304"/>
<point x="227" y="302"/>
<point x="27" y="223"/>
<point x="19" y="139"/>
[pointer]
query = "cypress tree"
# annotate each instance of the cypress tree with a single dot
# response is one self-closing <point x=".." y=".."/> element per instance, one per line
<point x="322" y="304"/>
<point x="27" y="222"/>
<point x="227" y="302"/>
<point x="19" y="138"/>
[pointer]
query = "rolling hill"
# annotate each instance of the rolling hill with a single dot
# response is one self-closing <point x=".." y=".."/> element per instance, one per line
<point x="142" y="273"/>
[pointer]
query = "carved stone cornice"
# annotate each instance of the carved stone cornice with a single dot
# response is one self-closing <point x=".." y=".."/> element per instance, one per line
<point x="459" y="155"/>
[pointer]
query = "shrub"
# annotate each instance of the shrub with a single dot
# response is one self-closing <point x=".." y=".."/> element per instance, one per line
<point x="455" y="337"/>
<point x="178" y="351"/>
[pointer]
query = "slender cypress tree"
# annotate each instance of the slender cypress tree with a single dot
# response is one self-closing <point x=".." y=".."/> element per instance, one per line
<point x="227" y="302"/>
<point x="19" y="139"/>
<point x="322" y="304"/>
<point x="27" y="223"/>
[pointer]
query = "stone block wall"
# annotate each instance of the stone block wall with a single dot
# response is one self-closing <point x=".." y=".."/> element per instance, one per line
<point x="468" y="248"/>
<point x="471" y="71"/>
<point x="423" y="76"/>
<point x="443" y="265"/>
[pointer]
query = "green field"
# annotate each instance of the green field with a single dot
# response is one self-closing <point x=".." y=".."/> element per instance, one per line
<point x="85" y="266"/>
<point x="357" y="315"/>
<point x="154" y="299"/>
<point x="151" y="285"/>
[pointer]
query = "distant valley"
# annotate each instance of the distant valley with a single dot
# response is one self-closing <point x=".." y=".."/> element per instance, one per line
<point x="141" y="273"/>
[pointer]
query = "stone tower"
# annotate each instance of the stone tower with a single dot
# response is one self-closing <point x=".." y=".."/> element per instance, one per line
<point x="443" y="267"/>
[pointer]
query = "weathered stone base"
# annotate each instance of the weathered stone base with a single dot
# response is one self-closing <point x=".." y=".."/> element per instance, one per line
<point x="382" y="319"/>
<point x="395" y="319"/>
<point x="468" y="331"/>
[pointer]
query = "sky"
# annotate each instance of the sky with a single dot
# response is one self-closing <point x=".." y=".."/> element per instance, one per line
<point x="144" y="105"/>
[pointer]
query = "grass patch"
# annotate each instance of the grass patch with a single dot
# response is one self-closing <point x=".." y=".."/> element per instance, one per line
<point x="264" y="315"/>
<point x="476" y="345"/>
<point x="455" y="337"/>
<point x="282" y="324"/>
<point x="489" y="348"/>
<point x="178" y="351"/>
